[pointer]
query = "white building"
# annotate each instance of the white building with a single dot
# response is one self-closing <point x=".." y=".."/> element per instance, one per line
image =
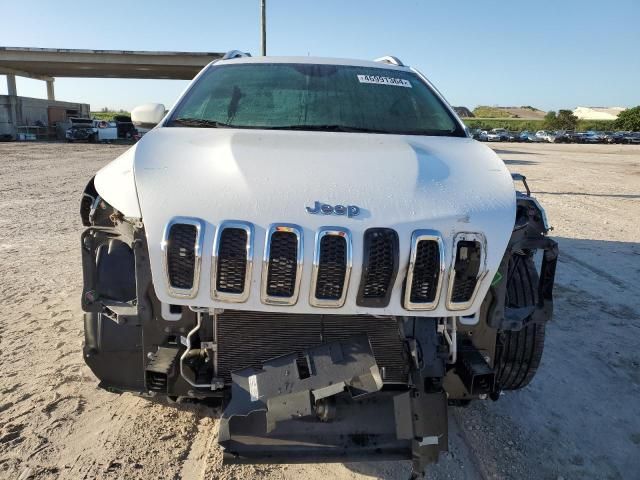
<point x="598" y="113"/>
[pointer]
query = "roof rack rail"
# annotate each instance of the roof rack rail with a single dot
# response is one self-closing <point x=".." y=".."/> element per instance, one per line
<point x="235" y="54"/>
<point x="390" y="60"/>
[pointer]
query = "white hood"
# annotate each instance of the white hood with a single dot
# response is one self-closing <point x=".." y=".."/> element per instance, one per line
<point x="263" y="177"/>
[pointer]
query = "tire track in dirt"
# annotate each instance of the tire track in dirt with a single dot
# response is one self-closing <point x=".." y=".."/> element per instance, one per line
<point x="195" y="464"/>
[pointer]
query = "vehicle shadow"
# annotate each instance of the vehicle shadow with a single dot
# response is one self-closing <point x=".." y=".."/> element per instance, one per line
<point x="203" y="408"/>
<point x="519" y="162"/>
<point x="501" y="151"/>
<point x="584" y="194"/>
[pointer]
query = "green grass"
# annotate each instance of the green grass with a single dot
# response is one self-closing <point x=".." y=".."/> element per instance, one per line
<point x="483" y="111"/>
<point x="107" y="115"/>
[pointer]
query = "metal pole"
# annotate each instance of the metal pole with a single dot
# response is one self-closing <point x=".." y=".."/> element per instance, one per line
<point x="263" y="27"/>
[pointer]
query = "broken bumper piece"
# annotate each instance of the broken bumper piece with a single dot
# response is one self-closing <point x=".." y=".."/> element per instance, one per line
<point x="273" y="415"/>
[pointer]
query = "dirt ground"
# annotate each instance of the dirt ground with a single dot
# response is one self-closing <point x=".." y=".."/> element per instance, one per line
<point x="578" y="419"/>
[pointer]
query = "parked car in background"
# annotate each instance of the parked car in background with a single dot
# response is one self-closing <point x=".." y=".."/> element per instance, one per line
<point x="494" y="136"/>
<point x="631" y="138"/>
<point x="81" y="129"/>
<point x="126" y="128"/>
<point x="499" y="135"/>
<point x="105" y="131"/>
<point x="479" y="134"/>
<point x="575" y="137"/>
<point x="546" y="136"/>
<point x="561" y="136"/>
<point x="592" y="137"/>
<point x="527" y="136"/>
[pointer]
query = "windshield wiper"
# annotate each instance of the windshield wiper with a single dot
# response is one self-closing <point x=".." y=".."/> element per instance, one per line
<point x="430" y="133"/>
<point x="203" y="123"/>
<point x="198" y="123"/>
<point x="346" y="128"/>
<point x="328" y="128"/>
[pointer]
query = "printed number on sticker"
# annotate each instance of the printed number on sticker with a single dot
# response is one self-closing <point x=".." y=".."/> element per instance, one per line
<point x="398" y="82"/>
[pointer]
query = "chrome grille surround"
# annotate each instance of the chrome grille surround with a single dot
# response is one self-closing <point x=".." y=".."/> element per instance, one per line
<point x="290" y="274"/>
<point x="321" y="233"/>
<point x="264" y="295"/>
<point x="215" y="269"/>
<point x="482" y="271"/>
<point x="197" y="250"/>
<point x="416" y="237"/>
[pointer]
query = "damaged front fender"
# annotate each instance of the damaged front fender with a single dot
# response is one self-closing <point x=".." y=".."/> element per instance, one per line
<point x="115" y="183"/>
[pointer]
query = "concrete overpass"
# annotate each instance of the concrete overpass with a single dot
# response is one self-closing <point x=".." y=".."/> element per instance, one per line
<point x="48" y="63"/>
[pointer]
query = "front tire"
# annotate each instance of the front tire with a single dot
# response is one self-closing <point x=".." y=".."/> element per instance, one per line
<point x="519" y="352"/>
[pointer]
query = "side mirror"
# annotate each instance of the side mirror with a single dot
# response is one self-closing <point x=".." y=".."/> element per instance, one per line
<point x="148" y="115"/>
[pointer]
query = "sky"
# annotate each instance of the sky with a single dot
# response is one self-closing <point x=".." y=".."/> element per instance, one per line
<point x="548" y="54"/>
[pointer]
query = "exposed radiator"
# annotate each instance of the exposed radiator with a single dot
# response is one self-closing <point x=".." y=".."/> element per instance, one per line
<point x="247" y="339"/>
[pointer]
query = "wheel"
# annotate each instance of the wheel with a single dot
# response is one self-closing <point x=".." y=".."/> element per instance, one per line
<point x="519" y="353"/>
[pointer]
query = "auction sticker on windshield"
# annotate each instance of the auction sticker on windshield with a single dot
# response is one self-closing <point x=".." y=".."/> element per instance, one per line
<point x="398" y="82"/>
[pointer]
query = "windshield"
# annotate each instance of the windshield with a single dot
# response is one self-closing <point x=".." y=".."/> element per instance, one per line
<point x="314" y="97"/>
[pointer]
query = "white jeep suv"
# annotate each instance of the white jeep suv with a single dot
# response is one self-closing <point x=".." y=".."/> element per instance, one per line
<point x="320" y="244"/>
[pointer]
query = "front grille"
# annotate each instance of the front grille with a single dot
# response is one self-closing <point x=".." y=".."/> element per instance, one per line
<point x="380" y="267"/>
<point x="248" y="339"/>
<point x="466" y="268"/>
<point x="426" y="272"/>
<point x="232" y="261"/>
<point x="332" y="267"/>
<point x="283" y="263"/>
<point x="181" y="258"/>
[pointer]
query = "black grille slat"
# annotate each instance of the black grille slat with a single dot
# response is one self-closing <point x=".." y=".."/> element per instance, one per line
<point x="463" y="289"/>
<point x="380" y="267"/>
<point x="283" y="263"/>
<point x="232" y="261"/>
<point x="248" y="339"/>
<point x="467" y="267"/>
<point x="332" y="267"/>
<point x="181" y="258"/>
<point x="426" y="272"/>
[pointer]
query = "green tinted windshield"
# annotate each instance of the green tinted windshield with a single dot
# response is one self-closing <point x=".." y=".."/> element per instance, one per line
<point x="314" y="97"/>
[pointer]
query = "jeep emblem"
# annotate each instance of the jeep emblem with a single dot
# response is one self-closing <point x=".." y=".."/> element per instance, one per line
<point x="325" y="209"/>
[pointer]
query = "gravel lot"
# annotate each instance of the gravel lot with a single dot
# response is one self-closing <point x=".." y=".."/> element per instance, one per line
<point x="578" y="419"/>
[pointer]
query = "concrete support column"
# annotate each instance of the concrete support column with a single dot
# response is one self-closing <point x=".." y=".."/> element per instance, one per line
<point x="50" y="92"/>
<point x="12" y="90"/>
<point x="11" y="85"/>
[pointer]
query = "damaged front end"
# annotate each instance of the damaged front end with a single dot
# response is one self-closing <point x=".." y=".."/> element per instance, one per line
<point x="296" y="387"/>
<point x="301" y="387"/>
<point x="339" y="388"/>
<point x="330" y="404"/>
